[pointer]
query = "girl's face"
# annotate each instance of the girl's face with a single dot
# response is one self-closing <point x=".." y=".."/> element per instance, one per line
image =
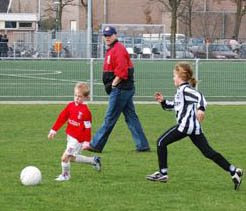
<point x="78" y="97"/>
<point x="176" y="79"/>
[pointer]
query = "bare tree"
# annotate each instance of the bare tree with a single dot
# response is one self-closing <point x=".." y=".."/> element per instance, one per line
<point x="147" y="13"/>
<point x="58" y="9"/>
<point x="185" y="16"/>
<point x="172" y="6"/>
<point x="84" y="4"/>
<point x="204" y="27"/>
<point x="241" y="11"/>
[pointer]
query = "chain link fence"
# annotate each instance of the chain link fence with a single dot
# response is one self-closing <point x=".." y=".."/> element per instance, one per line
<point x="54" y="79"/>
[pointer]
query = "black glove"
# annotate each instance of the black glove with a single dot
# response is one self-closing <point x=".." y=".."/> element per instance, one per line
<point x="108" y="88"/>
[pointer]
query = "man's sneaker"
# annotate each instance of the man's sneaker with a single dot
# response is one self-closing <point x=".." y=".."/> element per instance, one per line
<point x="63" y="177"/>
<point x="97" y="163"/>
<point x="237" y="178"/>
<point x="90" y="148"/>
<point x="143" y="150"/>
<point x="157" y="176"/>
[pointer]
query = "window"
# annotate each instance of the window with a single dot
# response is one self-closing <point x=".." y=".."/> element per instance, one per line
<point x="25" y="24"/>
<point x="73" y="25"/>
<point x="10" y="24"/>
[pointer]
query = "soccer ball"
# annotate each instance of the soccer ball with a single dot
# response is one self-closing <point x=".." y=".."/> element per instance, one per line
<point x="30" y="175"/>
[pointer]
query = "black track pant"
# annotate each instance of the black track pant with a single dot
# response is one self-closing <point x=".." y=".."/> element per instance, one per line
<point x="200" y="141"/>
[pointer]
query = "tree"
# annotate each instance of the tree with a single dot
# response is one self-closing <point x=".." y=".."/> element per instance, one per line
<point x="240" y="12"/>
<point x="185" y="16"/>
<point x="47" y="24"/>
<point x="58" y="9"/>
<point x="84" y="4"/>
<point x="172" y="6"/>
<point x="147" y="13"/>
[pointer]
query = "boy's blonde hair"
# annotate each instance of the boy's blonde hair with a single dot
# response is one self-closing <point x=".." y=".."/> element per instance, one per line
<point x="83" y="88"/>
<point x="184" y="71"/>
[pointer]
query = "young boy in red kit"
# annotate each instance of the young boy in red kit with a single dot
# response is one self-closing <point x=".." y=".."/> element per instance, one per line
<point x="78" y="118"/>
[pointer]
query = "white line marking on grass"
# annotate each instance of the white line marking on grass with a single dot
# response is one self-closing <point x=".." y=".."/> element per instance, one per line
<point x="43" y="72"/>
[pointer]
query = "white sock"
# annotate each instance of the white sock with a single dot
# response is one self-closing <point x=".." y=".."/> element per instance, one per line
<point x="84" y="159"/>
<point x="232" y="169"/>
<point x="164" y="171"/>
<point x="65" y="168"/>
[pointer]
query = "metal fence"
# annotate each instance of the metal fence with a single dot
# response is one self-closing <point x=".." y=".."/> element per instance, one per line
<point x="54" y="79"/>
<point x="42" y="45"/>
<point x="74" y="45"/>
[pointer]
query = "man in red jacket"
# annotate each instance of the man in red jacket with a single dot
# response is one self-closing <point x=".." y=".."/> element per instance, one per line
<point x="78" y="118"/>
<point x="118" y="79"/>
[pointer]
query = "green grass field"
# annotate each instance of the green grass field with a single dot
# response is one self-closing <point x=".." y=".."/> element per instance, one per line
<point x="195" y="182"/>
<point x="53" y="80"/>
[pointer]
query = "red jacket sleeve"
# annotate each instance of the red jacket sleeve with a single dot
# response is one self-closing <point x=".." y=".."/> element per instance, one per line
<point x="121" y="62"/>
<point x="62" y="118"/>
<point x="87" y="125"/>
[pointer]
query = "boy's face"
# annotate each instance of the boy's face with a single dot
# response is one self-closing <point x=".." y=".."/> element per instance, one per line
<point x="78" y="97"/>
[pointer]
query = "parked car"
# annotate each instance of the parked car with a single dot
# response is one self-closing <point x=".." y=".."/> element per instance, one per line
<point x="146" y="51"/>
<point x="130" y="51"/>
<point x="159" y="50"/>
<point x="137" y="45"/>
<point x="242" y="51"/>
<point x="214" y="51"/>
<point x="195" y="42"/>
<point x="181" y="52"/>
<point x="162" y="50"/>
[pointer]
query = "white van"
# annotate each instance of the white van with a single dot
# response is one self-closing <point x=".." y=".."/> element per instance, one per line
<point x="157" y="37"/>
<point x="179" y="37"/>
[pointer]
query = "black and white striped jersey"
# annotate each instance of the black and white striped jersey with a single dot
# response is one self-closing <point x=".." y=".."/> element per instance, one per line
<point x="186" y="102"/>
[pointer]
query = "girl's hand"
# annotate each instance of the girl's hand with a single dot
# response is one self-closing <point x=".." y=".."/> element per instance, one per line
<point x="200" y="115"/>
<point x="159" y="97"/>
<point x="51" y="134"/>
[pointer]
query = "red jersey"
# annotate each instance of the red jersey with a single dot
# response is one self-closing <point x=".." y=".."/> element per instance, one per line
<point x="117" y="60"/>
<point x="78" y="118"/>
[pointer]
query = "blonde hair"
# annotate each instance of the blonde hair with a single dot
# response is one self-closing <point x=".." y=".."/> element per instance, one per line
<point x="83" y="88"/>
<point x="184" y="71"/>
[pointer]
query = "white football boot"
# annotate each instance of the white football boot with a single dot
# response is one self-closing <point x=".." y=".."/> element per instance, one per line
<point x="63" y="177"/>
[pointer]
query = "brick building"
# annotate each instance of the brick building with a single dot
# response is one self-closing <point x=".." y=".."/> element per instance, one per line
<point x="210" y="18"/>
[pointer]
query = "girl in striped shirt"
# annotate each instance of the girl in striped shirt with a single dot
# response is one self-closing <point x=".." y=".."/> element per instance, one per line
<point x="189" y="105"/>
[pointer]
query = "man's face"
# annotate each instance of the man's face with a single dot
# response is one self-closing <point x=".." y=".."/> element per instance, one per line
<point x="109" y="39"/>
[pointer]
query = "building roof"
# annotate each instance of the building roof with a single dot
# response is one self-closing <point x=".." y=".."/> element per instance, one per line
<point x="19" y="17"/>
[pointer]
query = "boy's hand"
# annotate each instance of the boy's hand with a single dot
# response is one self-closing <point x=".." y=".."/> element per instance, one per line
<point x="159" y="97"/>
<point x="51" y="134"/>
<point x="200" y="115"/>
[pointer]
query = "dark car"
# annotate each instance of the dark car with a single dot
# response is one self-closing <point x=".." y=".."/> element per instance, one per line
<point x="242" y="51"/>
<point x="214" y="51"/>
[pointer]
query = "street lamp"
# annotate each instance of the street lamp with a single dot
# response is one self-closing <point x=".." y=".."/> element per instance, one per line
<point x="58" y="21"/>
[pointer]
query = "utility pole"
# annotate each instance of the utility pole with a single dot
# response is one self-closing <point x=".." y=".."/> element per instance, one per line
<point x="89" y="29"/>
<point x="58" y="21"/>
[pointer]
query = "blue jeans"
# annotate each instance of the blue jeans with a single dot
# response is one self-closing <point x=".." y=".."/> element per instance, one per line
<point x="120" y="101"/>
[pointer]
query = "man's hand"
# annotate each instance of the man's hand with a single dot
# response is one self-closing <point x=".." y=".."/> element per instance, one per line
<point x="108" y="88"/>
<point x="200" y="115"/>
<point x="159" y="97"/>
<point x="51" y="134"/>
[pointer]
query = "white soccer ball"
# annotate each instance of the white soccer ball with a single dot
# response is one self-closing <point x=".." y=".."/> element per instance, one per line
<point x="30" y="175"/>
